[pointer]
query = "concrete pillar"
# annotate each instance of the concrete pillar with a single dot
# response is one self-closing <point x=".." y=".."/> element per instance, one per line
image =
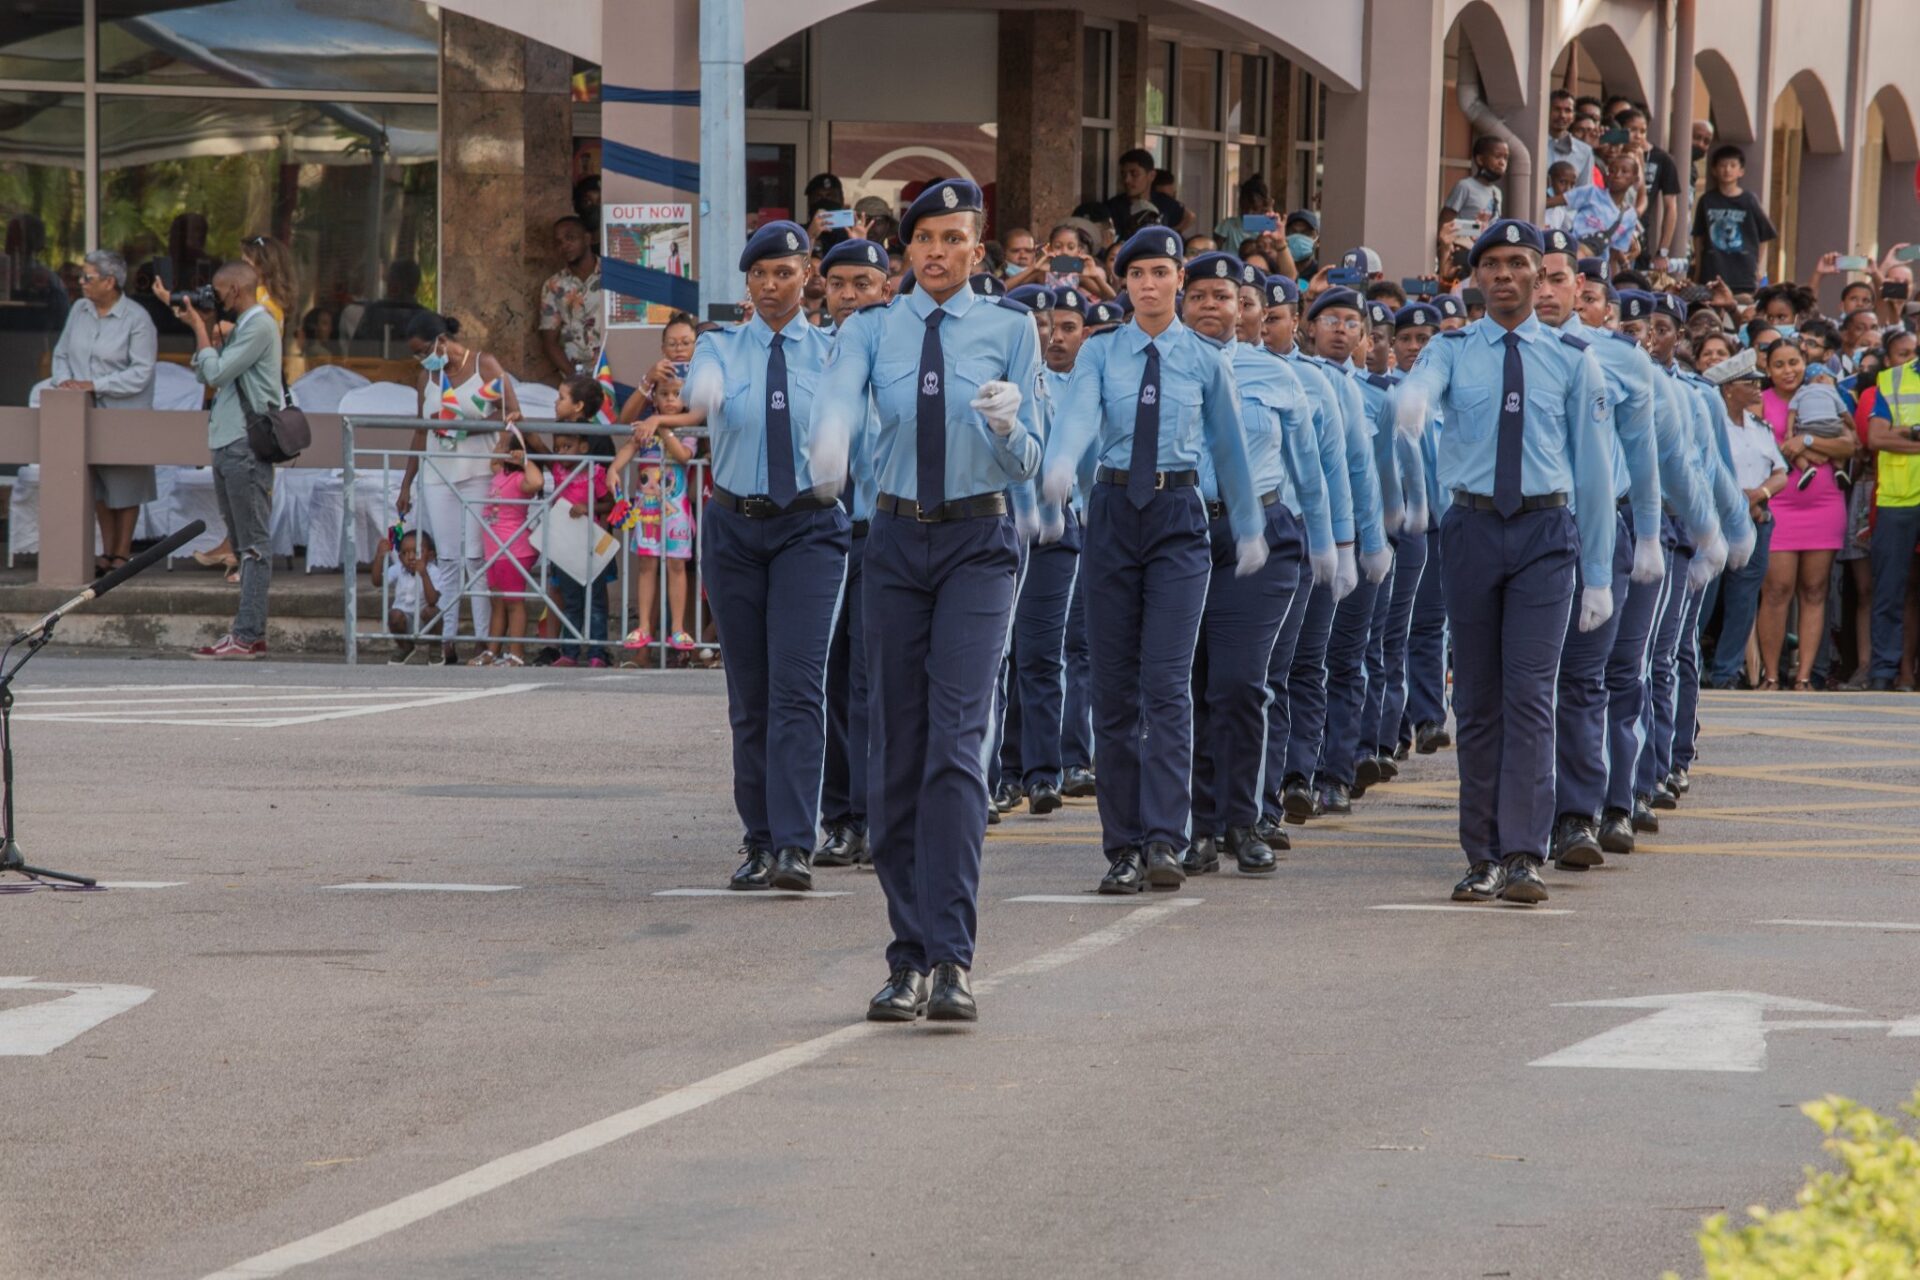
<point x="1830" y="181"/>
<point x="1680" y="116"/>
<point x="1761" y="94"/>
<point x="506" y="133"/>
<point x="661" y="55"/>
<point x="1383" y="143"/>
<point x="1129" y="88"/>
<point x="66" y="491"/>
<point x="1037" y="153"/>
<point x="1534" y="53"/>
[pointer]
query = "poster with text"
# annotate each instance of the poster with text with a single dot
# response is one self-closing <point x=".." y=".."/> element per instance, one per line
<point x="656" y="236"/>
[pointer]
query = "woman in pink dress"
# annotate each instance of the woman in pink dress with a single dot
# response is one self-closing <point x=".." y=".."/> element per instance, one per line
<point x="1809" y="526"/>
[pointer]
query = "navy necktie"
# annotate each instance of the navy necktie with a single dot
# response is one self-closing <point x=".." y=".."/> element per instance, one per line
<point x="930" y="419"/>
<point x="781" y="485"/>
<point x="1513" y="419"/>
<point x="1146" y="434"/>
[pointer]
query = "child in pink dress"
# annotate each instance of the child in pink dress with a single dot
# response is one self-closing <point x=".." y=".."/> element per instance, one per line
<point x="516" y="482"/>
<point x="664" y="514"/>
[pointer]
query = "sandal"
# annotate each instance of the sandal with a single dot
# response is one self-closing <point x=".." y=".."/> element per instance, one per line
<point x="638" y="638"/>
<point x="508" y="660"/>
<point x="1803" y="685"/>
<point x="1769" y="685"/>
<point x="681" y="641"/>
<point x="484" y="658"/>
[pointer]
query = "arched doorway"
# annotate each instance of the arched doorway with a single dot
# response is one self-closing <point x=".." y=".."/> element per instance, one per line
<point x="1808" y="187"/>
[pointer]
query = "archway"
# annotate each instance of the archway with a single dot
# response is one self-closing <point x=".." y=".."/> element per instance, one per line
<point x="1597" y="62"/>
<point x="1889" y="149"/>
<point x="1809" y="192"/>
<point x="1724" y="102"/>
<point x="1481" y="86"/>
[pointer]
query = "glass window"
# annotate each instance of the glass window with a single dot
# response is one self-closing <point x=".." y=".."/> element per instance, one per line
<point x="364" y="46"/>
<point x="1096" y="58"/>
<point x="777" y="79"/>
<point x="771" y="186"/>
<point x="41" y="40"/>
<point x="1246" y="94"/>
<point x="352" y="187"/>
<point x="1094" y="143"/>
<point x="1199" y="174"/>
<point x="43" y="204"/>
<point x="1200" y="89"/>
<point x="1159" y="82"/>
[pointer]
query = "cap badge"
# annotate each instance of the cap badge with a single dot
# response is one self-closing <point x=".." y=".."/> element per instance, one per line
<point x="1172" y="247"/>
<point x="1513" y="234"/>
<point x="1220" y="268"/>
<point x="793" y="241"/>
<point x="948" y="198"/>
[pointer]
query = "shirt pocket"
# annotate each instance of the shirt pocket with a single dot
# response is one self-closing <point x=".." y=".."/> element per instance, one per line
<point x="801" y="384"/>
<point x="894" y="385"/>
<point x="1470" y="413"/>
<point x="741" y="411"/>
<point x="1547" y="411"/>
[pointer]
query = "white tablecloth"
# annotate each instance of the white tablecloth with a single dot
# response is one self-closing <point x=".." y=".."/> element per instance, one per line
<point x="374" y="513"/>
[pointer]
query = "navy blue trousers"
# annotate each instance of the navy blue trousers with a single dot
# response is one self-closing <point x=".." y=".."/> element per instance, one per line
<point x="1656" y="718"/>
<point x="1280" y="686"/>
<point x="1686" y="698"/>
<point x="1238" y="632"/>
<point x="1580" y="721"/>
<point x="1347" y="682"/>
<point x="1147" y="572"/>
<point x="1628" y="693"/>
<point x="1003" y="722"/>
<point x="1427" y="646"/>
<point x="1307" y="687"/>
<point x="1076" y="716"/>
<point x="1739" y="591"/>
<point x="843" y="791"/>
<point x="1509" y="585"/>
<point x="586" y="607"/>
<point x="775" y="587"/>
<point x="938" y="601"/>
<point x="1387" y="646"/>
<point x="1035" y="718"/>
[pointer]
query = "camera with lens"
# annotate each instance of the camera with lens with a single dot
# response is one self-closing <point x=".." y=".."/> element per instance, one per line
<point x="200" y="299"/>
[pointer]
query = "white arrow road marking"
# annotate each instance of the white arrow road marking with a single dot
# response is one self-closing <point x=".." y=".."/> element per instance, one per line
<point x="37" y="1029"/>
<point x="1702" y="1031"/>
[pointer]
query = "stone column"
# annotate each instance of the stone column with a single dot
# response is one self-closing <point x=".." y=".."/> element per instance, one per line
<point x="506" y="144"/>
<point x="1037" y="156"/>
<point x="1383" y="143"/>
<point x="67" y="528"/>
<point x="1130" y="88"/>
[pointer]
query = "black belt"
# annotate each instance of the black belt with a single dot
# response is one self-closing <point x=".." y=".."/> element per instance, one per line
<point x="1484" y="502"/>
<point x="1161" y="479"/>
<point x="758" y="506"/>
<point x="979" y="505"/>
<point x="1218" y="510"/>
<point x="860" y="528"/>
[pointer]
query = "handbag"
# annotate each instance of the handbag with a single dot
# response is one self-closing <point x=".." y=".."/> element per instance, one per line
<point x="279" y="435"/>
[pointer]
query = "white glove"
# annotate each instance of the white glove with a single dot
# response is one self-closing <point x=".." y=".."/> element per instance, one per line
<point x="1377" y="564"/>
<point x="1053" y="524"/>
<point x="999" y="404"/>
<point x="707" y="393"/>
<point x="1325" y="566"/>
<point x="1708" y="559"/>
<point x="1596" y="606"/>
<point x="1026" y="523"/>
<point x="827" y="456"/>
<point x="1649" y="561"/>
<point x="1345" y="576"/>
<point x="1741" y="551"/>
<point x="1410" y="412"/>
<point x="1253" y="557"/>
<point x="1394" y="519"/>
<point x="1057" y="485"/>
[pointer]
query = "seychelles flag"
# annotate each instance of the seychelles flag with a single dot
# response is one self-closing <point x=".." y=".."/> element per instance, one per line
<point x="449" y="403"/>
<point x="487" y="396"/>
<point x="603" y="374"/>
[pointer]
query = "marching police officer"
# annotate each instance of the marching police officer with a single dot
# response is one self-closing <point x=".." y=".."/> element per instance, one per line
<point x="855" y="273"/>
<point x="1154" y="395"/>
<point x="952" y="376"/>
<point x="1524" y="457"/>
<point x="773" y="554"/>
<point x="1067" y="333"/>
<point x="1243" y="615"/>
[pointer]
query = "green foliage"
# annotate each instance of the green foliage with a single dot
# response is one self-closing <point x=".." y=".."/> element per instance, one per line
<point x="1858" y="1222"/>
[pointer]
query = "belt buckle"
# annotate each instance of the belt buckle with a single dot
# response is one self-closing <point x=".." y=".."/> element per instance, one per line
<point x="921" y="513"/>
<point x="1159" y="480"/>
<point x="758" y="507"/>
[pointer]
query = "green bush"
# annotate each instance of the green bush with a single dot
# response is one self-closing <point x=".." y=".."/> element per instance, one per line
<point x="1858" y="1222"/>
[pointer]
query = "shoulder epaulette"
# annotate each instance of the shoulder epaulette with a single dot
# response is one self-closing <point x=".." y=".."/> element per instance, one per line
<point x="1454" y="333"/>
<point x="1013" y="304"/>
<point x="1380" y="380"/>
<point x="873" y="306"/>
<point x="1627" y="338"/>
<point x="1103" y="333"/>
<point x="1578" y="344"/>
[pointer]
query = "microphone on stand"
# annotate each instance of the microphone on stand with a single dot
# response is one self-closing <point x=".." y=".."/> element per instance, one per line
<point x="108" y="581"/>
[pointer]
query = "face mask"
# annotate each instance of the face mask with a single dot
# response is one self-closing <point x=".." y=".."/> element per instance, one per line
<point x="433" y="362"/>
<point x="1301" y="247"/>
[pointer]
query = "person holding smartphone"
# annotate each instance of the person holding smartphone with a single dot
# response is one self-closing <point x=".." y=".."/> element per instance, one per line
<point x="1256" y="217"/>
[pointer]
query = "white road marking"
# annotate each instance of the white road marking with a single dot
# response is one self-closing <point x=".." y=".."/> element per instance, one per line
<point x="141" y="884"/>
<point x="1482" y="908"/>
<point x="223" y="712"/>
<point x="36" y="1029"/>
<point x="510" y="1168"/>
<point x="753" y="893"/>
<point x="404" y="887"/>
<point x="1079" y="899"/>
<point x="1894" y="926"/>
<point x="1703" y="1031"/>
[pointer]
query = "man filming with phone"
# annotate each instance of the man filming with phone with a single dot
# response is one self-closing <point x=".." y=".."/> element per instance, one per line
<point x="244" y="370"/>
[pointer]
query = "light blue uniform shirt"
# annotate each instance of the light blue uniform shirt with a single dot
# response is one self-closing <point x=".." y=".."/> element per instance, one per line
<point x="1281" y="451"/>
<point x="1636" y="455"/>
<point x="1403" y="471"/>
<point x="1429" y="468"/>
<point x="1053" y="389"/>
<point x="1712" y="456"/>
<point x="738" y="433"/>
<point x="1363" y="472"/>
<point x="1566" y="446"/>
<point x="1686" y="487"/>
<point x="1199" y="411"/>
<point x="981" y="341"/>
<point x="1330" y="439"/>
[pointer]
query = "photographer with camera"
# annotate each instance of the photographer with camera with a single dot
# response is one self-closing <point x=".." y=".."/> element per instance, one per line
<point x="244" y="371"/>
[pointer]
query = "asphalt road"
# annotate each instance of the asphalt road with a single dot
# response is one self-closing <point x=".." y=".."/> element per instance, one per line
<point x="580" y="1077"/>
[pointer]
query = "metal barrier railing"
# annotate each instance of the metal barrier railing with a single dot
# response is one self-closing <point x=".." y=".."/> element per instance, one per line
<point x="536" y="585"/>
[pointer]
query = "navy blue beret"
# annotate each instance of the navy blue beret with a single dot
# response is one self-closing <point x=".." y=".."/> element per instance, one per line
<point x="775" y="240"/>
<point x="1451" y="307"/>
<point x="1251" y="277"/>
<point x="987" y="285"/>
<point x="1214" y="266"/>
<point x="1346" y="298"/>
<point x="1037" y="297"/>
<point x="1415" y="314"/>
<point x="1379" y="314"/>
<point x="1068" y="298"/>
<point x="1558" y="241"/>
<point x="1635" y="304"/>
<point x="1594" y="269"/>
<point x="1104" y="313"/>
<point x="953" y="195"/>
<point x="1147" y="243"/>
<point x="855" y="253"/>
<point x="1507" y="231"/>
<point x="1281" y="291"/>
<point x="1612" y="296"/>
<point x="1665" y="304"/>
<point x="1122" y="301"/>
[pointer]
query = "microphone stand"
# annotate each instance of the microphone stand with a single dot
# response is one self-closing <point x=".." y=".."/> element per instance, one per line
<point x="11" y="858"/>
